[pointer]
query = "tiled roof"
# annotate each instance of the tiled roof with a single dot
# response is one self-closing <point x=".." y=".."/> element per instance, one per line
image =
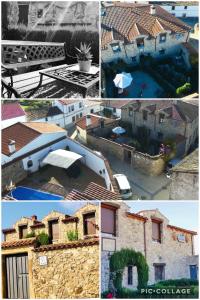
<point x="37" y="224"/>
<point x="132" y="20"/>
<point x="18" y="243"/>
<point x="11" y="110"/>
<point x="74" y="244"/>
<point x="190" y="164"/>
<point x="24" y="133"/>
<point x="66" y="102"/>
<point x="97" y="192"/>
<point x="8" y="230"/>
<point x="95" y="121"/>
<point x="40" y="113"/>
<point x="93" y="192"/>
<point x="136" y="216"/>
<point x="182" y="229"/>
<point x="115" y="103"/>
<point x="70" y="219"/>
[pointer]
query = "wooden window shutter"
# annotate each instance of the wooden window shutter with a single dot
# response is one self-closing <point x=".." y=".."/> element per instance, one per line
<point x="155" y="231"/>
<point x="55" y="230"/>
<point x="89" y="224"/>
<point x="108" y="220"/>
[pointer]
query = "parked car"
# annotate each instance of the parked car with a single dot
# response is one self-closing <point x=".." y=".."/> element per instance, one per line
<point x="123" y="185"/>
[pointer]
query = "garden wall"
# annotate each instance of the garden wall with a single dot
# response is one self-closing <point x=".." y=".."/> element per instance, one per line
<point x="14" y="172"/>
<point x="150" y="165"/>
<point x="69" y="273"/>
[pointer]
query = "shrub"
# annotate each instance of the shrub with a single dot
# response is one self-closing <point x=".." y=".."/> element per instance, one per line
<point x="43" y="239"/>
<point x="183" y="90"/>
<point x="125" y="257"/>
<point x="30" y="235"/>
<point x="72" y="235"/>
<point x="178" y="282"/>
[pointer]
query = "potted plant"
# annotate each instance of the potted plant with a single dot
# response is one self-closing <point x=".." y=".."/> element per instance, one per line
<point x="84" y="57"/>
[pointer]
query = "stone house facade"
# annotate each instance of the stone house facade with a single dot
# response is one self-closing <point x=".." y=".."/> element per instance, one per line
<point x="185" y="178"/>
<point x="61" y="269"/>
<point x="168" y="249"/>
<point x="177" y="120"/>
<point x="131" y="31"/>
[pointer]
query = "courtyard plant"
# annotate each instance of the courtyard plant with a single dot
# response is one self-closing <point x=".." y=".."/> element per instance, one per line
<point x="72" y="235"/>
<point x="30" y="235"/>
<point x="183" y="90"/>
<point x="43" y="239"/>
<point x="128" y="257"/>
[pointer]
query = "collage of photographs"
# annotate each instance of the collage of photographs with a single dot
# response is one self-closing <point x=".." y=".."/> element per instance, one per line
<point x="99" y="147"/>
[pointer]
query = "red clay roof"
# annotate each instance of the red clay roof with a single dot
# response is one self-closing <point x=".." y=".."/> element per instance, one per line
<point x="136" y="216"/>
<point x="8" y="230"/>
<point x="11" y="110"/>
<point x="67" y="102"/>
<point x="18" y="243"/>
<point x="74" y="244"/>
<point x="24" y="133"/>
<point x="95" y="121"/>
<point x="132" y="20"/>
<point x="115" y="103"/>
<point x="182" y="229"/>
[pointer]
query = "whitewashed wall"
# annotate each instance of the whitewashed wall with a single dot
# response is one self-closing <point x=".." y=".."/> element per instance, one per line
<point x="9" y="122"/>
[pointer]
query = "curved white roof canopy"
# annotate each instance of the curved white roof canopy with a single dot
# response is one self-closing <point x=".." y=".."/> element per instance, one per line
<point x="61" y="158"/>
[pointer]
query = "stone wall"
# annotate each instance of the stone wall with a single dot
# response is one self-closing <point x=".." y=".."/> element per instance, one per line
<point x="13" y="173"/>
<point x="147" y="164"/>
<point x="184" y="186"/>
<point x="70" y="273"/>
<point x="131" y="233"/>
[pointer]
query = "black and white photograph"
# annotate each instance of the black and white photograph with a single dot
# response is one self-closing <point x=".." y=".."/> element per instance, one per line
<point x="50" y="49"/>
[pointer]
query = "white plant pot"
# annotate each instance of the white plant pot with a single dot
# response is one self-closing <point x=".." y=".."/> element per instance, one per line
<point x="84" y="65"/>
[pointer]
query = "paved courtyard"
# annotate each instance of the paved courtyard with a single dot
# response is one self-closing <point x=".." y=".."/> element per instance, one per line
<point x="144" y="187"/>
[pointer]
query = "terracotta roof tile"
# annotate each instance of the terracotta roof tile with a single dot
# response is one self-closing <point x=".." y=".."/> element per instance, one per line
<point x="11" y="110"/>
<point x="182" y="229"/>
<point x="74" y="244"/>
<point x="95" y="121"/>
<point x="131" y="20"/>
<point x="18" y="243"/>
<point x="8" y="230"/>
<point x="28" y="132"/>
<point x="115" y="103"/>
<point x="77" y="195"/>
<point x="37" y="225"/>
<point x="70" y="219"/>
<point x="66" y="102"/>
<point x="97" y="192"/>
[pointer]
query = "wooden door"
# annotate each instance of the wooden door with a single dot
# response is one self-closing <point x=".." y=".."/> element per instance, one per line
<point x="17" y="276"/>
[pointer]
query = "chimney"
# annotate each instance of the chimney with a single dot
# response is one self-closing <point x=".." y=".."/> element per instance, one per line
<point x="152" y="10"/>
<point x="88" y="120"/>
<point x="34" y="218"/>
<point x="11" y="146"/>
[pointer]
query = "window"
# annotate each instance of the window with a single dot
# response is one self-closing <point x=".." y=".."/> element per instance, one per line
<point x="140" y="43"/>
<point x="130" y="111"/>
<point x="144" y="115"/>
<point x="92" y="111"/>
<point x="114" y="109"/>
<point x="69" y="108"/>
<point x="159" y="270"/>
<point x="162" y="51"/>
<point x="156" y="231"/>
<point x="108" y="220"/>
<point x="23" y="231"/>
<point x="133" y="58"/>
<point x="80" y="104"/>
<point x="73" y="119"/>
<point x="29" y="163"/>
<point x="184" y="15"/>
<point x="46" y="119"/>
<point x="40" y="13"/>
<point x="173" y="7"/>
<point x="160" y="135"/>
<point x="89" y="224"/>
<point x="181" y="238"/>
<point x="161" y="118"/>
<point x="162" y="38"/>
<point x="185" y="7"/>
<point x="116" y="47"/>
<point x="81" y="115"/>
<point x="72" y="107"/>
<point x="53" y="230"/>
<point x="102" y="124"/>
<point x="130" y="275"/>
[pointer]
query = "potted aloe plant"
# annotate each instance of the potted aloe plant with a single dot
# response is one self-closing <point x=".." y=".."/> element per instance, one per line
<point x="84" y="57"/>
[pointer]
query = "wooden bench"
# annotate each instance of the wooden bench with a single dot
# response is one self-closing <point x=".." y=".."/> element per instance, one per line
<point x="18" y="57"/>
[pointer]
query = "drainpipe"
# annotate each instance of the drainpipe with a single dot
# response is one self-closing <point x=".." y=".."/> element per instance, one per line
<point x="155" y="43"/>
<point x="145" y="244"/>
<point x="192" y="244"/>
<point x="187" y="36"/>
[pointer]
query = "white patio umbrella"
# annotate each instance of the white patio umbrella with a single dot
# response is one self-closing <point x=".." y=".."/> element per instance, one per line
<point x="123" y="80"/>
<point x="118" y="130"/>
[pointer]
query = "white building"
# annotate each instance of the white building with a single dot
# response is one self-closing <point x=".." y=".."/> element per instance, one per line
<point x="11" y="113"/>
<point x="180" y="10"/>
<point x="72" y="110"/>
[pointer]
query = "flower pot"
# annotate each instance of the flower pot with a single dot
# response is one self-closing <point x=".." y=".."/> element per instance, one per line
<point x="84" y="65"/>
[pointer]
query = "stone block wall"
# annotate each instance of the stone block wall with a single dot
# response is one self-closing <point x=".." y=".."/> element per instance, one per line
<point x="13" y="173"/>
<point x="184" y="186"/>
<point x="70" y="273"/>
